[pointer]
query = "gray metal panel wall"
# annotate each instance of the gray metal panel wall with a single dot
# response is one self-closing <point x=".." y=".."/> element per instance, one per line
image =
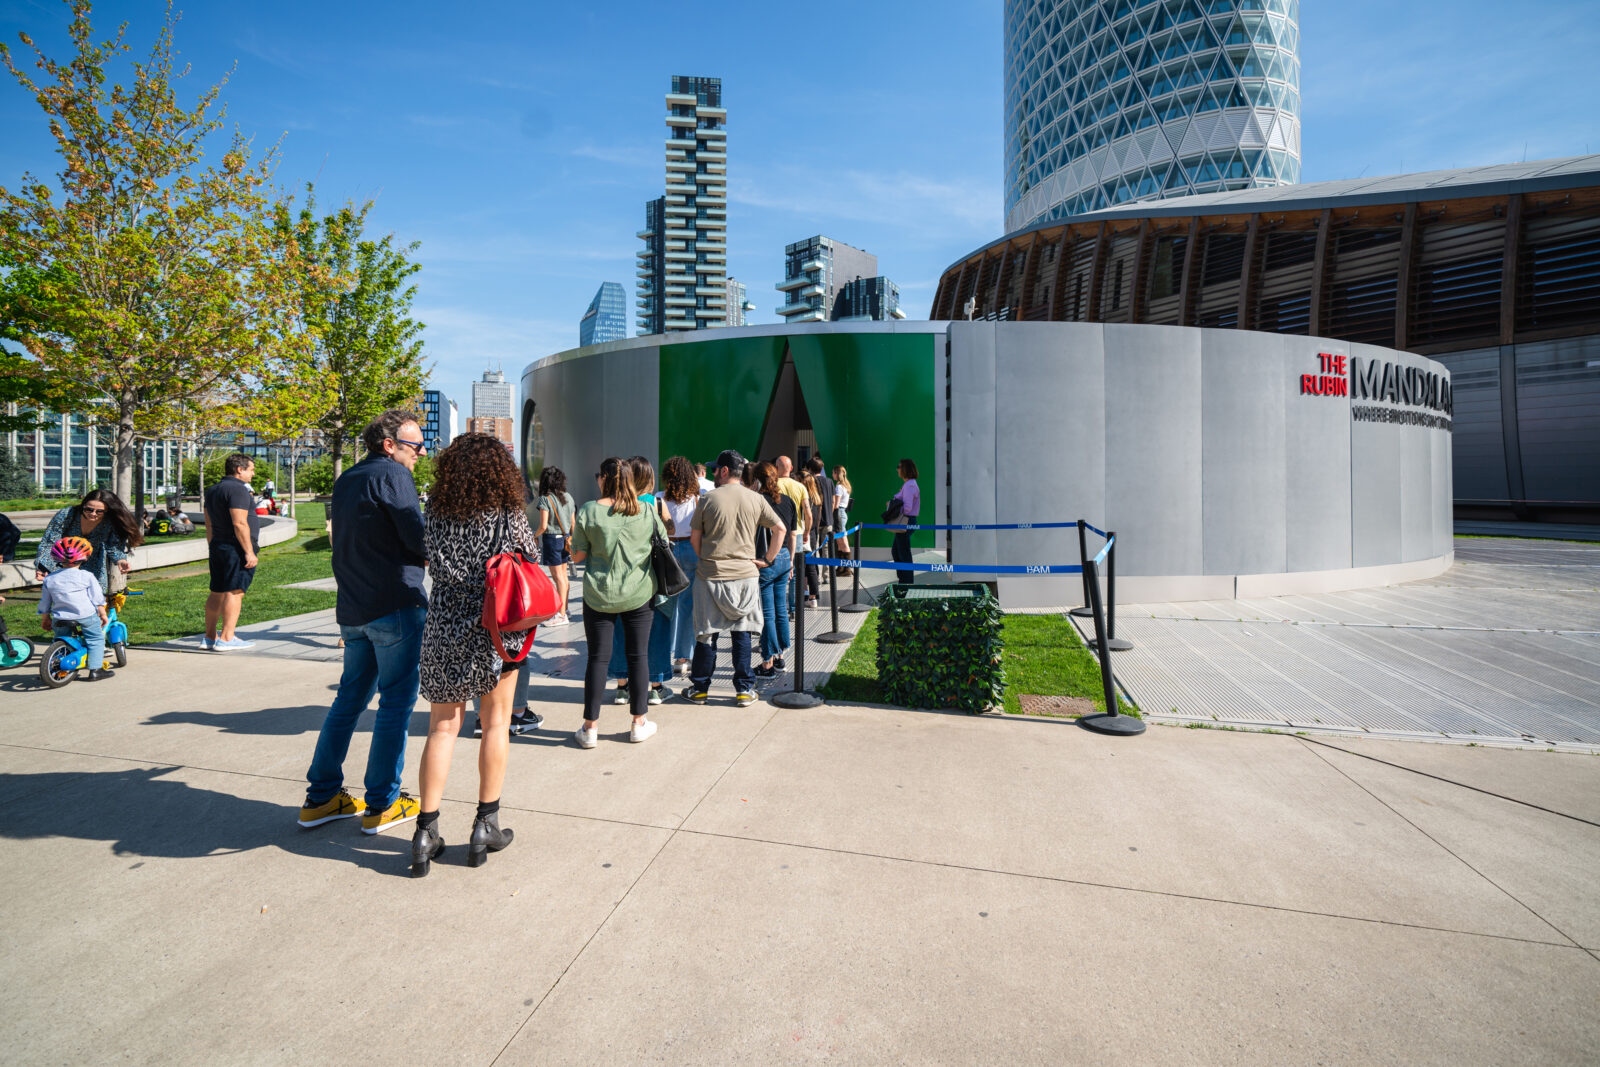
<point x="1393" y="515"/>
<point x="1243" y="462"/>
<point x="1153" y="395"/>
<point x="972" y="439"/>
<point x="1316" y="448"/>
<point x="1479" y="438"/>
<point x="1558" y="394"/>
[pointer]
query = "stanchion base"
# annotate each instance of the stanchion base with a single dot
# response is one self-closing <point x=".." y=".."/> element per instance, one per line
<point x="1118" y="644"/>
<point x="855" y="608"/>
<point x="1112" y="724"/>
<point x="791" y="699"/>
<point x="1082" y="613"/>
<point x="834" y="637"/>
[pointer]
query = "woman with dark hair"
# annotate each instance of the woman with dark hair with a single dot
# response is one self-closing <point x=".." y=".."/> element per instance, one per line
<point x="476" y="512"/>
<point x="910" y="498"/>
<point x="680" y="496"/>
<point x="102" y="519"/>
<point x="613" y="535"/>
<point x="814" y="523"/>
<point x="556" y="509"/>
<point x="773" y="579"/>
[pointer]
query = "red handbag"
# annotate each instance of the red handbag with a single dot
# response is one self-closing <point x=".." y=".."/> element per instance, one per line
<point x="517" y="595"/>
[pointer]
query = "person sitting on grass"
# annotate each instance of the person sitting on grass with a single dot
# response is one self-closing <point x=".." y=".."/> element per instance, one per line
<point x="73" y="597"/>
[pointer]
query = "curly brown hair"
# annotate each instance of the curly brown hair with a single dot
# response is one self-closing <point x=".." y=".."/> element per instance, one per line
<point x="475" y="474"/>
<point x="678" y="480"/>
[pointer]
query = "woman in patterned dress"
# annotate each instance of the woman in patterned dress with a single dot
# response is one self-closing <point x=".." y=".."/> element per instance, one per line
<point x="102" y="519"/>
<point x="475" y="512"/>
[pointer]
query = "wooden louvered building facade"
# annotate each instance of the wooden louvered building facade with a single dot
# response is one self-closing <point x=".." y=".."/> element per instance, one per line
<point x="1498" y="279"/>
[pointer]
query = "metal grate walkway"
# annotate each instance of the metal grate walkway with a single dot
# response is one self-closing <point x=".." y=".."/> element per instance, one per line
<point x="1504" y="648"/>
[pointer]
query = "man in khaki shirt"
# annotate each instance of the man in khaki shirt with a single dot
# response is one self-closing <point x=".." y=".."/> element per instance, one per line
<point x="727" y="594"/>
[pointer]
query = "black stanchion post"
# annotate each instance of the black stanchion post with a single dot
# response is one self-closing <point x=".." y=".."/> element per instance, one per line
<point x="1083" y="559"/>
<point x="855" y="577"/>
<point x="1111" y="721"/>
<point x="799" y="697"/>
<point x="834" y="636"/>
<point x="1113" y="642"/>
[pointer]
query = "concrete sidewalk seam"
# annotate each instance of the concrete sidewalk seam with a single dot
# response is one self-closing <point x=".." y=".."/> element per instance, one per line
<point x="671" y="834"/>
<point x="1059" y="879"/>
<point x="1459" y="859"/>
<point x="1452" y="781"/>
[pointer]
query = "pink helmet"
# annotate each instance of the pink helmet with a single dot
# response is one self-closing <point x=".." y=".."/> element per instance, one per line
<point x="71" y="550"/>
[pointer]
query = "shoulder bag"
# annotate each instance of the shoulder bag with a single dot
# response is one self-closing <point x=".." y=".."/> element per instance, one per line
<point x="670" y="579"/>
<point x="517" y="595"/>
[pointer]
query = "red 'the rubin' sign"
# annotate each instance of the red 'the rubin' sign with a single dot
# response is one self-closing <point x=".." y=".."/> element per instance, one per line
<point x="1333" y="379"/>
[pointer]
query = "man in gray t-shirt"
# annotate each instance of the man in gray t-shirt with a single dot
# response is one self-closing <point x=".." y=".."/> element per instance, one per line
<point x="727" y="594"/>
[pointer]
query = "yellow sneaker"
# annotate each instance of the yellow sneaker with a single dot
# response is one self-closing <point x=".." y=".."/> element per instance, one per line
<point x="340" y="806"/>
<point x="404" y="809"/>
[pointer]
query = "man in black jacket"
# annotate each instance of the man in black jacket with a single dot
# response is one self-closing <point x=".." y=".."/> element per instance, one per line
<point x="378" y="562"/>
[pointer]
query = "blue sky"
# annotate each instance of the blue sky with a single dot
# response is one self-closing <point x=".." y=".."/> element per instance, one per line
<point x="519" y="142"/>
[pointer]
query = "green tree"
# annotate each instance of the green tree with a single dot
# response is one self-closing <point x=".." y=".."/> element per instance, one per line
<point x="16" y="479"/>
<point x="368" y="347"/>
<point x="424" y="473"/>
<point x="24" y="381"/>
<point x="154" y="276"/>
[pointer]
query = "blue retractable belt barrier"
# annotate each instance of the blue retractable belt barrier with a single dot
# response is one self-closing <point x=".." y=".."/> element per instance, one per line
<point x="1095" y="529"/>
<point x="1105" y="550"/>
<point x="973" y="526"/>
<point x="950" y="568"/>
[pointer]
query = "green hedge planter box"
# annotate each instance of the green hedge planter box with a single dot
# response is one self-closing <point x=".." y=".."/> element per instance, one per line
<point x="940" y="647"/>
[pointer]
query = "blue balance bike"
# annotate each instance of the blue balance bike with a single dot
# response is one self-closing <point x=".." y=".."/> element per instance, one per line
<point x="67" y="655"/>
<point x="14" y="649"/>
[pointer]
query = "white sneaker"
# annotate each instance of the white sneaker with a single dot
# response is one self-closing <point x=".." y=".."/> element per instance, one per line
<point x="560" y="619"/>
<point x="642" y="731"/>
<point x="586" y="738"/>
<point x="233" y="645"/>
<point x="657" y="694"/>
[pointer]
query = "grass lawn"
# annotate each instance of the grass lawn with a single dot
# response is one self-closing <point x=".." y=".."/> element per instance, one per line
<point x="1042" y="655"/>
<point x="174" y="600"/>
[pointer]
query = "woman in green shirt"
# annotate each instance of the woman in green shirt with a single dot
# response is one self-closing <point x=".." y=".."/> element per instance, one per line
<point x="612" y="535"/>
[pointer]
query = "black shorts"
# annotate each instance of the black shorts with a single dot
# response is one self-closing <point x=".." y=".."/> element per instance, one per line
<point x="553" y="550"/>
<point x="228" y="572"/>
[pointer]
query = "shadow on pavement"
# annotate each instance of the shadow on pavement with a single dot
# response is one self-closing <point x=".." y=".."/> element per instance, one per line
<point x="141" y="813"/>
<point x="267" y="722"/>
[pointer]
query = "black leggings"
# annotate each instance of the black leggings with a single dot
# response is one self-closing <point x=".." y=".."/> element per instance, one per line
<point x="597" y="631"/>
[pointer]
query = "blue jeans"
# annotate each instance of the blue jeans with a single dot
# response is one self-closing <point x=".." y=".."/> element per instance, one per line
<point x="704" y="664"/>
<point x="381" y="657"/>
<point x="774" y="612"/>
<point x="659" y="653"/>
<point x="681" y="632"/>
<point x="94" y="637"/>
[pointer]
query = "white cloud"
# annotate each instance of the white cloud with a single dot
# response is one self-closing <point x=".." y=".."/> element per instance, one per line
<point x="900" y="200"/>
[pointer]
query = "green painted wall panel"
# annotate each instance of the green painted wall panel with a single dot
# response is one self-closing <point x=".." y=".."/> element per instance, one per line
<point x="872" y="398"/>
<point x="714" y="395"/>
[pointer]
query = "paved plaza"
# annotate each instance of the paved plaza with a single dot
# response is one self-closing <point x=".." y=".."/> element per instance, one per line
<point x="855" y="883"/>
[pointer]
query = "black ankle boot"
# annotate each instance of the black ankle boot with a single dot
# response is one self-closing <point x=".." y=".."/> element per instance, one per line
<point x="487" y="837"/>
<point x="425" y="845"/>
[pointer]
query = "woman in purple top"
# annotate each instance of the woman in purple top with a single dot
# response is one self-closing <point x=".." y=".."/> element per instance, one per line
<point x="910" y="498"/>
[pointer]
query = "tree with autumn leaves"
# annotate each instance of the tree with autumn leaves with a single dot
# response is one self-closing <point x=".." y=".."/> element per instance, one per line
<point x="154" y="284"/>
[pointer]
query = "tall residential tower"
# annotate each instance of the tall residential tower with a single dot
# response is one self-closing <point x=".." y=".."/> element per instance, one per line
<point x="683" y="269"/>
<point x="1108" y="101"/>
<point x="814" y="270"/>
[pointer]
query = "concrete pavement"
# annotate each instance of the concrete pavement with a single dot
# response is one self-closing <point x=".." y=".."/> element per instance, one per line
<point x="858" y="883"/>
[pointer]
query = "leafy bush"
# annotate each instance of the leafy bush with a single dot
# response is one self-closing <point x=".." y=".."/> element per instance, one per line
<point x="214" y="472"/>
<point x="315" y="476"/>
<point x="16" y="479"/>
<point x="941" y="652"/>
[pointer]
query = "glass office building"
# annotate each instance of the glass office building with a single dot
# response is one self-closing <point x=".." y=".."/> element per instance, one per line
<point x="813" y="272"/>
<point x="868" y="300"/>
<point x="437" y="417"/>
<point x="607" y="317"/>
<point x="71" y="456"/>
<point x="1113" y="101"/>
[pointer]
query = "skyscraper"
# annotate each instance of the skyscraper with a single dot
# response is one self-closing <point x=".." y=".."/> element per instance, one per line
<point x="689" y="236"/>
<point x="867" y="300"/>
<point x="607" y="317"/>
<point x="738" y="302"/>
<point x="813" y="271"/>
<point x="1108" y="101"/>
<point x="491" y="409"/>
<point x="652" y="271"/>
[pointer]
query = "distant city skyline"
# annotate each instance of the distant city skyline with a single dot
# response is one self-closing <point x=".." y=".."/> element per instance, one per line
<point x="519" y="157"/>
